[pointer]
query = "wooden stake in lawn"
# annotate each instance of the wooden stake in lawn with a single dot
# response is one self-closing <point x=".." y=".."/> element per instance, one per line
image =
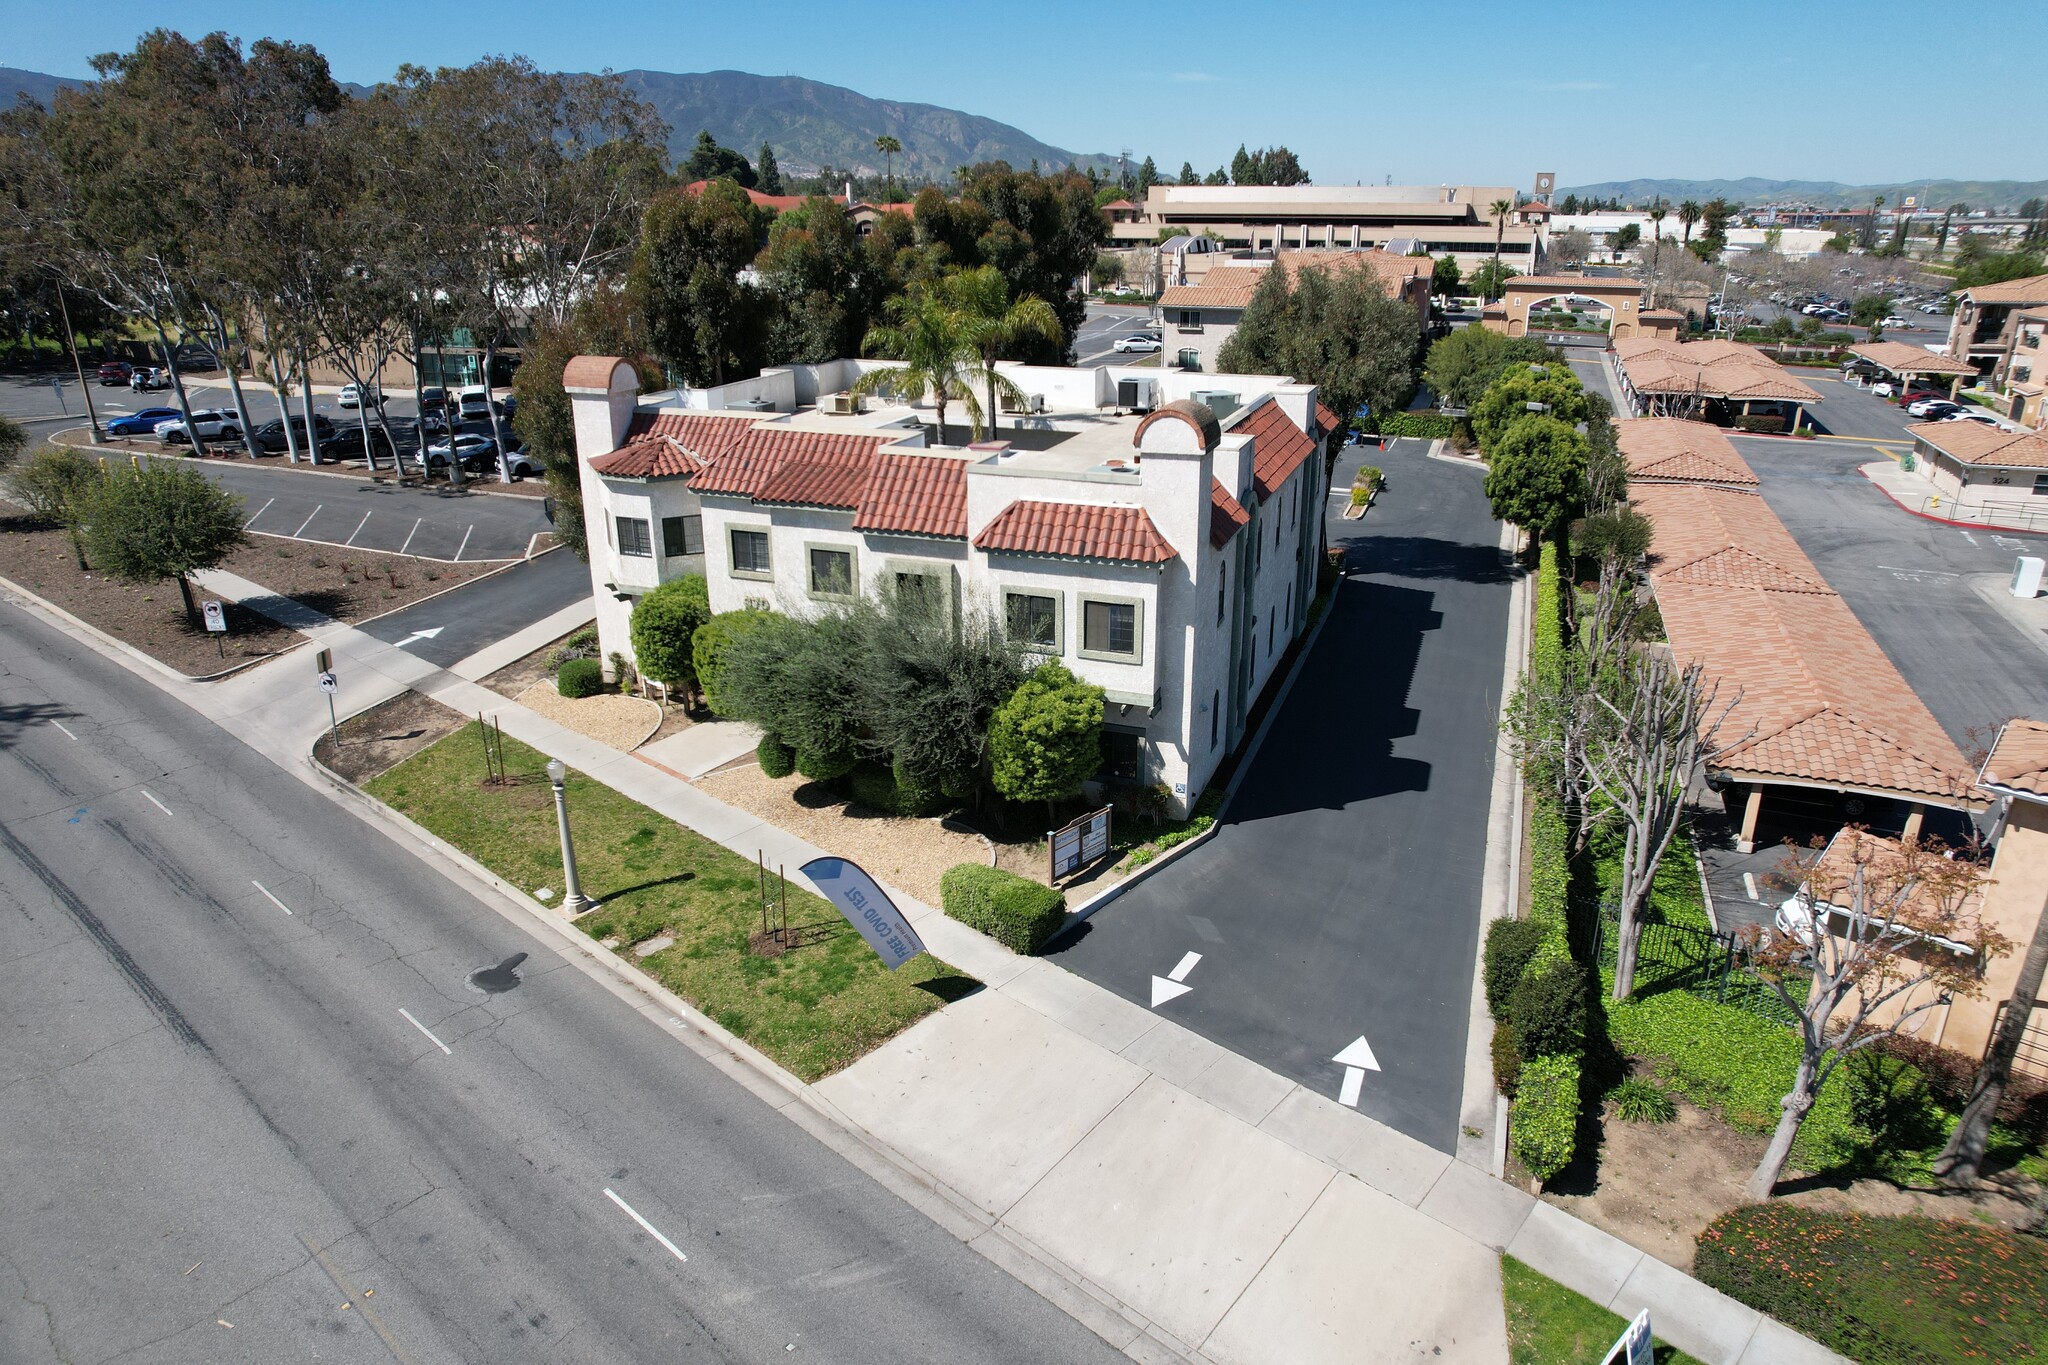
<point x="761" y="861"/>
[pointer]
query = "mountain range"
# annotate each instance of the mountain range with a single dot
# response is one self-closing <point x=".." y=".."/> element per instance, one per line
<point x="809" y="124"/>
<point x="1939" y="194"/>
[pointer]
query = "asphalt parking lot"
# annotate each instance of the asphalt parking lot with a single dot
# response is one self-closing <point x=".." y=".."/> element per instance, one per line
<point x="1095" y="341"/>
<point x="1852" y="410"/>
<point x="352" y="513"/>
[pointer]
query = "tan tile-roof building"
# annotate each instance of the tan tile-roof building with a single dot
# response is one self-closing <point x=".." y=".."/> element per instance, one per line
<point x="1907" y="361"/>
<point x="1982" y="328"/>
<point x="1974" y="443"/>
<point x="1668" y="450"/>
<point x="2031" y="289"/>
<point x="1665" y="377"/>
<point x="2018" y="762"/>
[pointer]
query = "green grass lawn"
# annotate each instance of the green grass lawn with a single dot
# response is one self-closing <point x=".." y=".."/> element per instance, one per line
<point x="814" y="1010"/>
<point x="1551" y="1325"/>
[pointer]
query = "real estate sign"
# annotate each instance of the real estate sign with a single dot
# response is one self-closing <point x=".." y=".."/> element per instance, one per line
<point x="867" y="908"/>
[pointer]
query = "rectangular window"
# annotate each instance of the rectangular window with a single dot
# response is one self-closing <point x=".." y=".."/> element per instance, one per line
<point x="1190" y="320"/>
<point x="1109" y="628"/>
<point x="920" y="588"/>
<point x="1123" y="756"/>
<point x="1215" y="713"/>
<point x="1034" y="620"/>
<point x="682" y="536"/>
<point x="2041" y="485"/>
<point x="750" y="553"/>
<point x="633" y="538"/>
<point x="831" y="572"/>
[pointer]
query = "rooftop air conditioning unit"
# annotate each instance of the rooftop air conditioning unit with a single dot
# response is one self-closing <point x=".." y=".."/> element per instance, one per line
<point x="1222" y="402"/>
<point x="753" y="405"/>
<point x="1024" y="402"/>
<point x="1136" y="393"/>
<point x="843" y="404"/>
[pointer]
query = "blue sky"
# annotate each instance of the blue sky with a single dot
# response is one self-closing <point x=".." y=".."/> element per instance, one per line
<point x="1478" y="92"/>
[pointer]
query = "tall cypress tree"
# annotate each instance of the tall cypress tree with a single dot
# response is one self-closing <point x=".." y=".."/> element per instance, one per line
<point x="767" y="172"/>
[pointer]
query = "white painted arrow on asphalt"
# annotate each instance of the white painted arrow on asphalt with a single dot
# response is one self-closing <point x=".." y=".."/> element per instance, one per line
<point x="421" y="635"/>
<point x="1356" y="1060"/>
<point x="1169" y="987"/>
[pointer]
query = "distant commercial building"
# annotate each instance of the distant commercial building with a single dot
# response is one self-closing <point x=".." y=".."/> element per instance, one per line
<point x="1602" y="228"/>
<point x="1443" y="220"/>
<point x="1985" y="324"/>
<point x="1196" y="319"/>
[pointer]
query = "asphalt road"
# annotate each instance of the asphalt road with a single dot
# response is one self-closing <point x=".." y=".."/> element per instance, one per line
<point x="487" y="610"/>
<point x="1909" y="582"/>
<point x="1341" y="897"/>
<point x="226" y="1134"/>
<point x="1095" y="342"/>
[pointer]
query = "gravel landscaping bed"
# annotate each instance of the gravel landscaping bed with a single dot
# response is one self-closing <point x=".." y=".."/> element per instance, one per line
<point x="625" y="723"/>
<point x="900" y="850"/>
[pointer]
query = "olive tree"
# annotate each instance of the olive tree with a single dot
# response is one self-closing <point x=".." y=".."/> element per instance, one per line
<point x="156" y="519"/>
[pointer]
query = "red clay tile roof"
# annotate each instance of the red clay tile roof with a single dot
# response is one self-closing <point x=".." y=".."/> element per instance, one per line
<point x="671" y="445"/>
<point x="914" y="495"/>
<point x="1226" y="515"/>
<point x="1278" y="446"/>
<point x="592" y="372"/>
<point x="1076" y="530"/>
<point x="1974" y="443"/>
<point x="1816" y="698"/>
<point x="1327" y="420"/>
<point x="2019" y="761"/>
<point x="781" y="203"/>
<point x="756" y="460"/>
<point x="1902" y="359"/>
<point x="1669" y="450"/>
<point x="1710" y="369"/>
<point x="2032" y="289"/>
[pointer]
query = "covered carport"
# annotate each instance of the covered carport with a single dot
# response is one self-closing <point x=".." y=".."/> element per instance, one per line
<point x="1904" y="366"/>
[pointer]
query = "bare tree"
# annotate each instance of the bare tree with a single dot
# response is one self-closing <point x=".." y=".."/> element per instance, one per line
<point x="1664" y="727"/>
<point x="1962" y="1159"/>
<point x="1883" y="932"/>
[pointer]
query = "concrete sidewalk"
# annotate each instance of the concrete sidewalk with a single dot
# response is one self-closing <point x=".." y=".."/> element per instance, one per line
<point x="1916" y="494"/>
<point x="1195" y="1206"/>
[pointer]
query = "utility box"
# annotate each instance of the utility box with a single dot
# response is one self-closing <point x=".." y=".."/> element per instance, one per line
<point x="2026" y="576"/>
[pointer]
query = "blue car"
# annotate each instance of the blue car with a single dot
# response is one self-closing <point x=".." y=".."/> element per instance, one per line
<point x="141" y="423"/>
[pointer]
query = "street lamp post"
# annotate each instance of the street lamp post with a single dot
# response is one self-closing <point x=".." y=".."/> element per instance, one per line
<point x="573" y="899"/>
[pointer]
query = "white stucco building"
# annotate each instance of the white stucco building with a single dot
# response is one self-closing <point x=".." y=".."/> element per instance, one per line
<point x="1156" y="532"/>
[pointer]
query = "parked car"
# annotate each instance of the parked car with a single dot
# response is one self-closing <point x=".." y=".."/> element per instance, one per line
<point x="270" y="436"/>
<point x="212" y="424"/>
<point x="142" y="423"/>
<point x="347" y="444"/>
<point x="1923" y="394"/>
<point x="520" y="465"/>
<point x="477" y="453"/>
<point x="352" y="397"/>
<point x="148" y="379"/>
<point x="1963" y="414"/>
<point x="1894" y="321"/>
<point x="1139" y="344"/>
<point x="1930" y="308"/>
<point x="432" y="396"/>
<point x="114" y="372"/>
<point x="1933" y="408"/>
<point x="193" y="355"/>
<point x="1884" y="388"/>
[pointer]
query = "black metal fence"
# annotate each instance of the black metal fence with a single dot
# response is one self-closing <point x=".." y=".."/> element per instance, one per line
<point x="1679" y="957"/>
<point x="2032" y="1058"/>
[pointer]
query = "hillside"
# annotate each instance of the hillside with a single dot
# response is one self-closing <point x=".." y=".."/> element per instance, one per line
<point x="15" y="82"/>
<point x="1978" y="194"/>
<point x="811" y="124"/>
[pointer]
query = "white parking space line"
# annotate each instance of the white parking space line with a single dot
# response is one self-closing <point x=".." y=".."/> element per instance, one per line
<point x="309" y="518"/>
<point x="429" y="1032"/>
<point x="67" y="733"/>
<point x="648" y="1227"/>
<point x="272" y="899"/>
<point x="465" y="542"/>
<point x="410" y="534"/>
<point x="358" y="531"/>
<point x="259" y="512"/>
<point x="153" y="801"/>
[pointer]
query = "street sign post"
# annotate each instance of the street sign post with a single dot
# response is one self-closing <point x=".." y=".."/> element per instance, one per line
<point x="216" y="624"/>
<point x="330" y="684"/>
<point x="1635" y="1346"/>
<point x="1078" y="843"/>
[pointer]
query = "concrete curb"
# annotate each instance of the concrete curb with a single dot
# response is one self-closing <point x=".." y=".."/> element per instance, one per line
<point x="1945" y="521"/>
<point x="1092" y="1305"/>
<point x="74" y="623"/>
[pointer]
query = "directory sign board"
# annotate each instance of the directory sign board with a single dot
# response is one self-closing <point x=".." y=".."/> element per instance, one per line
<point x="1079" y="842"/>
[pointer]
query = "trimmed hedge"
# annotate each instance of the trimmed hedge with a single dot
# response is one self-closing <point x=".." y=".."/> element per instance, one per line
<point x="874" y="787"/>
<point x="824" y="767"/>
<point x="776" y="758"/>
<point x="1015" y="911"/>
<point x="1428" y="426"/>
<point x="915" y="793"/>
<point x="1544" y="1118"/>
<point x="580" y="678"/>
<point x="1548" y="1006"/>
<point x="1507" y="1059"/>
<point x="1510" y="944"/>
<point x="1884" y="1290"/>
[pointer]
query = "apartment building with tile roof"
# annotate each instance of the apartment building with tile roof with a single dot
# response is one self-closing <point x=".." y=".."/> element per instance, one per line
<point x="1158" y="533"/>
<point x="1198" y="316"/>
<point x="1986" y="316"/>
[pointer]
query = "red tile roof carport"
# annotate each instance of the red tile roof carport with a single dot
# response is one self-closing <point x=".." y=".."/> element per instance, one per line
<point x="1076" y="530"/>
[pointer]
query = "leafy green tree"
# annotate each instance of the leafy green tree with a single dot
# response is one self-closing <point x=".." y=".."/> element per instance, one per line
<point x="159" y="519"/>
<point x="56" y="485"/>
<point x="1490" y="279"/>
<point x="709" y="161"/>
<point x="702" y="319"/>
<point x="1536" y="474"/>
<point x="1148" y="176"/>
<point x="663" y="622"/>
<point x="1219" y="176"/>
<point x="827" y="281"/>
<point x="1336" y="329"/>
<point x="1995" y="267"/>
<point x="1462" y="365"/>
<point x="998" y="327"/>
<point x="937" y="354"/>
<point x="769" y="173"/>
<point x="1445" y="277"/>
<point x="711" y="645"/>
<point x="1628" y="237"/>
<point x="1870" y="310"/>
<point x="1508" y="399"/>
<point x="1046" y="740"/>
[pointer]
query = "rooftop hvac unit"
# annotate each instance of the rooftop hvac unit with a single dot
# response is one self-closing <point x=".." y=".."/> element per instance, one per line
<point x="1024" y="402"/>
<point x="1222" y="402"/>
<point x="843" y="404"/>
<point x="753" y="405"/>
<point x="1136" y="393"/>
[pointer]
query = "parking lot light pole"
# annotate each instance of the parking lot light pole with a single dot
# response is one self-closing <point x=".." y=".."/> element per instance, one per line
<point x="573" y="899"/>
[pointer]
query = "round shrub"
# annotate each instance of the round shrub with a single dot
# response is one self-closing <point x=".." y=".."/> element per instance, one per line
<point x="1015" y="911"/>
<point x="1543" y="1123"/>
<point x="825" y="765"/>
<point x="1638" y="1101"/>
<point x="580" y="678"/>
<point x="916" y="794"/>
<point x="1510" y="943"/>
<point x="874" y="788"/>
<point x="776" y="758"/>
<point x="1549" y="1009"/>
<point x="1507" y="1060"/>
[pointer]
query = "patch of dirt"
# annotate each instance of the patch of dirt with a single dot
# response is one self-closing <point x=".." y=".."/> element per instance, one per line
<point x="609" y="718"/>
<point x="515" y="677"/>
<point x="901" y="850"/>
<point x="348" y="585"/>
<point x="386" y="735"/>
<point x="1658" y="1185"/>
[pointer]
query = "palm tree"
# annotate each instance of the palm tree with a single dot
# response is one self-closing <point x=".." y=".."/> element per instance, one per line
<point x="888" y="147"/>
<point x="994" y="323"/>
<point x="1941" y="242"/>
<point x="1688" y="214"/>
<point x="1499" y="209"/>
<point x="928" y="335"/>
